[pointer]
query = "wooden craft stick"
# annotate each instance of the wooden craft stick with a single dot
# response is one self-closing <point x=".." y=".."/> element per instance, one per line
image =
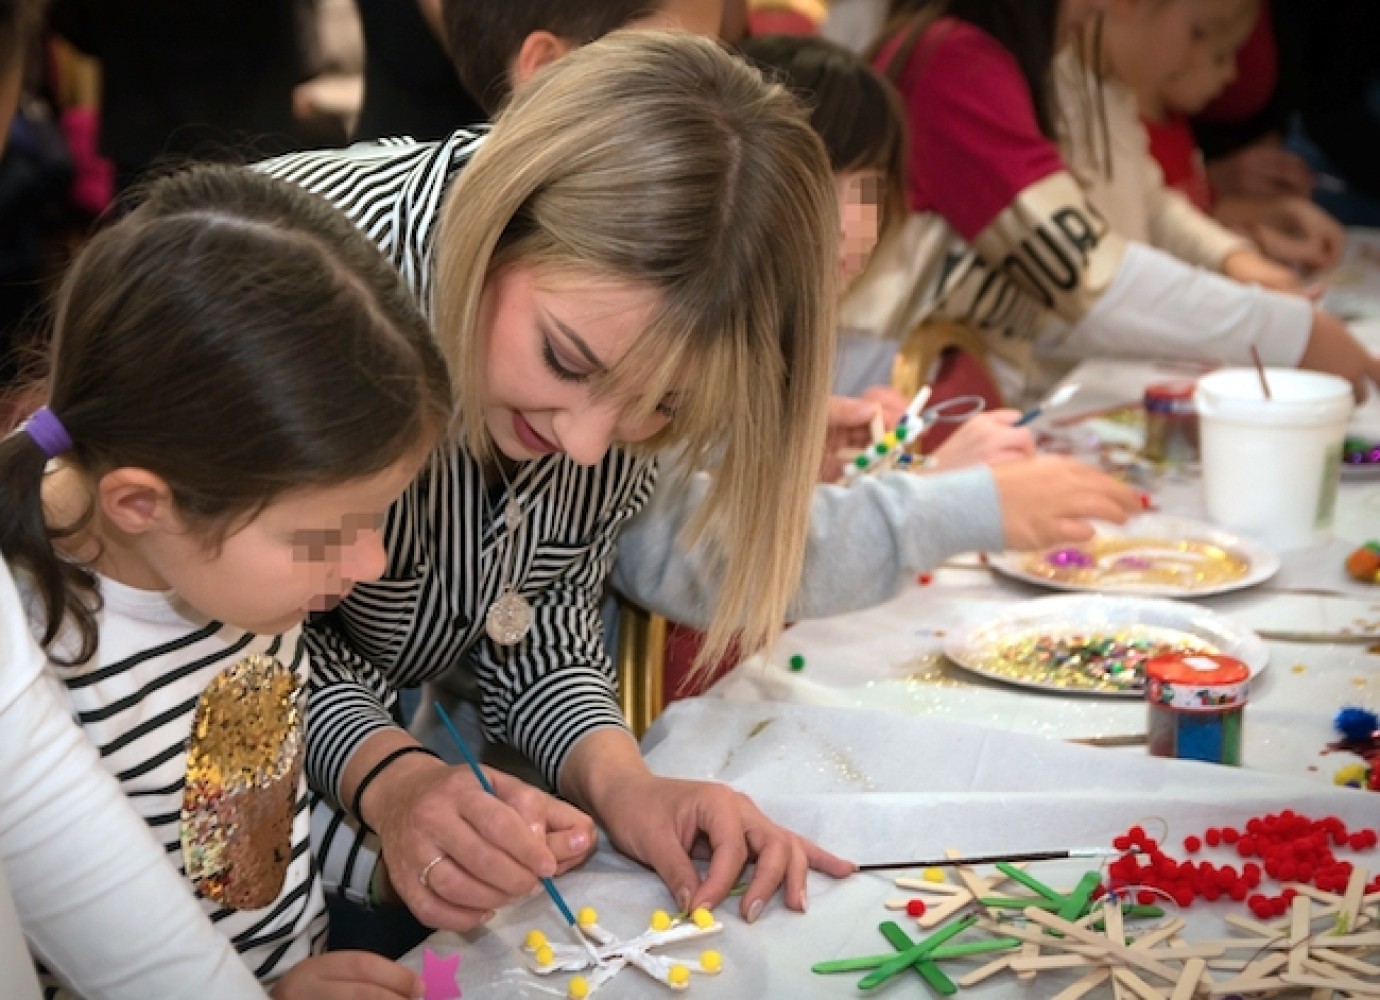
<point x="985" y="972"/>
<point x="1189" y="979"/>
<point x="1300" y="925"/>
<point x="1138" y="986"/>
<point x="1086" y="985"/>
<point x="1346" y="961"/>
<point x="1352" y="986"/>
<point x="1126" y="954"/>
<point x="1351" y="898"/>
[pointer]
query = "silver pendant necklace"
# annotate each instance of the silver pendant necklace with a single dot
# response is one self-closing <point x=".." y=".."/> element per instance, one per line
<point x="509" y="617"/>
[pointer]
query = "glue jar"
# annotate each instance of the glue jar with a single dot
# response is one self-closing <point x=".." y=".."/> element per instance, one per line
<point x="1171" y="422"/>
<point x="1196" y="704"/>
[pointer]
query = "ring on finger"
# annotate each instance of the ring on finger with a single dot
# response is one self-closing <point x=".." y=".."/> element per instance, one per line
<point x="426" y="872"/>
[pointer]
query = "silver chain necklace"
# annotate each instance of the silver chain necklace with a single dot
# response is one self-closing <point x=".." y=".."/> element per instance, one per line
<point x="509" y="617"/>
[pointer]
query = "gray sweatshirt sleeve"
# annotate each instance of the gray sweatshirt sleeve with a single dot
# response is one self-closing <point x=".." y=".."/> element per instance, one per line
<point x="865" y="541"/>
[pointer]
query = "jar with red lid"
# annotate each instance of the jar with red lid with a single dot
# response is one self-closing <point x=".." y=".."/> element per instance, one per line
<point x="1197" y="703"/>
<point x="1171" y="423"/>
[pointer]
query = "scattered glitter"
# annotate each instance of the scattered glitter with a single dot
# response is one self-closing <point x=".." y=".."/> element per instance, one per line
<point x="1109" y="562"/>
<point x="1085" y="659"/>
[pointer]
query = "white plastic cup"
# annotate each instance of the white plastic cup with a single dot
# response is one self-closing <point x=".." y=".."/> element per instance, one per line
<point x="1271" y="466"/>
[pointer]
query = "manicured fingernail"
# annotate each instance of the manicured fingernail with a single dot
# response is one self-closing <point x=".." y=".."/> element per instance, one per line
<point x="579" y="841"/>
<point x="487" y="917"/>
<point x="538" y="829"/>
<point x="804" y="900"/>
<point x="683" y="900"/>
<point x="754" y="911"/>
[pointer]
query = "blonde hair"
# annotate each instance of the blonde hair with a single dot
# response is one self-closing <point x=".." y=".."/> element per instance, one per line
<point x="660" y="159"/>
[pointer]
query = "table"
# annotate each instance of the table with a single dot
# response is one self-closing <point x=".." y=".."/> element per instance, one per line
<point x="880" y="750"/>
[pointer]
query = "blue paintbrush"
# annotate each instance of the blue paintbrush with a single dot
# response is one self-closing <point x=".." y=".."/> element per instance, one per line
<point x="547" y="884"/>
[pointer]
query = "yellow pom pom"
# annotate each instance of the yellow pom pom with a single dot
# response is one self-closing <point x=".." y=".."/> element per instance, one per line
<point x="702" y="918"/>
<point x="535" y="939"/>
<point x="679" y="975"/>
<point x="587" y="917"/>
<point x="889" y="439"/>
<point x="711" y="961"/>
<point x="578" y="988"/>
<point x="933" y="875"/>
<point x="661" y="920"/>
<point x="544" y="955"/>
<point x="1354" y="775"/>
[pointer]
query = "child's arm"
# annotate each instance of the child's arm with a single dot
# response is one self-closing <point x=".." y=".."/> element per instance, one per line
<point x="99" y="902"/>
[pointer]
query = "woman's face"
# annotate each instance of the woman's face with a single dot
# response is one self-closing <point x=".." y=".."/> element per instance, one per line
<point x="547" y="339"/>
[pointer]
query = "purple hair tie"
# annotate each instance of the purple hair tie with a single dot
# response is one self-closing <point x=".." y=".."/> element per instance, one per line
<point x="48" y="433"/>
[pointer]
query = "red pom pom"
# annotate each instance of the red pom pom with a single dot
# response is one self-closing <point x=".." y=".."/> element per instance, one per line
<point x="1192" y="845"/>
<point x="924" y="579"/>
<point x="1145" y="897"/>
<point x="915" y="907"/>
<point x="1183" y="896"/>
<point x="1213" y="836"/>
<point x="1230" y="835"/>
<point x="1121" y="843"/>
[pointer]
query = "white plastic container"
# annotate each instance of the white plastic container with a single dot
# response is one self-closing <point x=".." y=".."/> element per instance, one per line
<point x="1271" y="466"/>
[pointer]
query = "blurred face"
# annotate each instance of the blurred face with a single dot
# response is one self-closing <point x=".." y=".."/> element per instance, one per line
<point x="547" y="340"/>
<point x="302" y="553"/>
<point x="859" y="195"/>
<point x="1149" y="42"/>
<point x="1074" y="14"/>
<point x="1213" y="66"/>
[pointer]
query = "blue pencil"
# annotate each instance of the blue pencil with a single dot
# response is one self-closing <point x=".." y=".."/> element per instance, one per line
<point x="547" y="884"/>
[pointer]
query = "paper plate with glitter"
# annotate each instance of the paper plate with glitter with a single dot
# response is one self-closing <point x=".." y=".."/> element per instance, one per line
<point x="1095" y="645"/>
<point x="1151" y="556"/>
<point x="1361" y="450"/>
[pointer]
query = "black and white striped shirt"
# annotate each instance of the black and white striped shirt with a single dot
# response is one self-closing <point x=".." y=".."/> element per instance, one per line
<point x="136" y="702"/>
<point x="448" y="553"/>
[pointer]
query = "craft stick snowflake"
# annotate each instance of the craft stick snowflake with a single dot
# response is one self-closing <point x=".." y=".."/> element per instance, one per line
<point x="615" y="954"/>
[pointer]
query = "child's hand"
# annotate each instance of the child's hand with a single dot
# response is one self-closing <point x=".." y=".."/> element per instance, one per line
<point x="1262" y="170"/>
<point x="986" y="439"/>
<point x="849" y="425"/>
<point x="1049" y="500"/>
<point x="1250" y="267"/>
<point x="348" y="975"/>
<point x="1332" y="348"/>
<point x="1299" y="233"/>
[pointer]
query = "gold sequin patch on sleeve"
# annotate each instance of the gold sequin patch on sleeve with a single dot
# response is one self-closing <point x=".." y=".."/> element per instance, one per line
<point x="244" y="762"/>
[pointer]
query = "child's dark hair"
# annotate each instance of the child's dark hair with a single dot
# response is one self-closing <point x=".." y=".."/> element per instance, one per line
<point x="485" y="36"/>
<point x="1025" y="28"/>
<point x="239" y="338"/>
<point x="855" y="110"/>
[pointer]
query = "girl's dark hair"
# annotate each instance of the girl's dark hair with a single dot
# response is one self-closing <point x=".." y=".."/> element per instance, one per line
<point x="855" y="110"/>
<point x="239" y="338"/>
<point x="1025" y="28"/>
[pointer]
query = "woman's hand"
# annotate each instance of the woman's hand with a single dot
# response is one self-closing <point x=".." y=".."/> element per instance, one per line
<point x="1288" y="229"/>
<point x="664" y="822"/>
<point x="1049" y="500"/>
<point x="986" y="439"/>
<point x="348" y="975"/>
<point x="488" y="850"/>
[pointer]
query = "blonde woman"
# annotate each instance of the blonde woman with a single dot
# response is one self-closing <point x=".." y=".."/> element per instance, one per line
<point x="641" y="254"/>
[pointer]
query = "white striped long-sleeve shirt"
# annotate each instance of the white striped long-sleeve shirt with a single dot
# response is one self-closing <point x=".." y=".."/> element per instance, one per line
<point x="449" y="555"/>
<point x="138" y="703"/>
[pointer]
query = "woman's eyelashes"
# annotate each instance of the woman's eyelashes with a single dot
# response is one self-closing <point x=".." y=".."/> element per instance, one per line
<point x="554" y="365"/>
